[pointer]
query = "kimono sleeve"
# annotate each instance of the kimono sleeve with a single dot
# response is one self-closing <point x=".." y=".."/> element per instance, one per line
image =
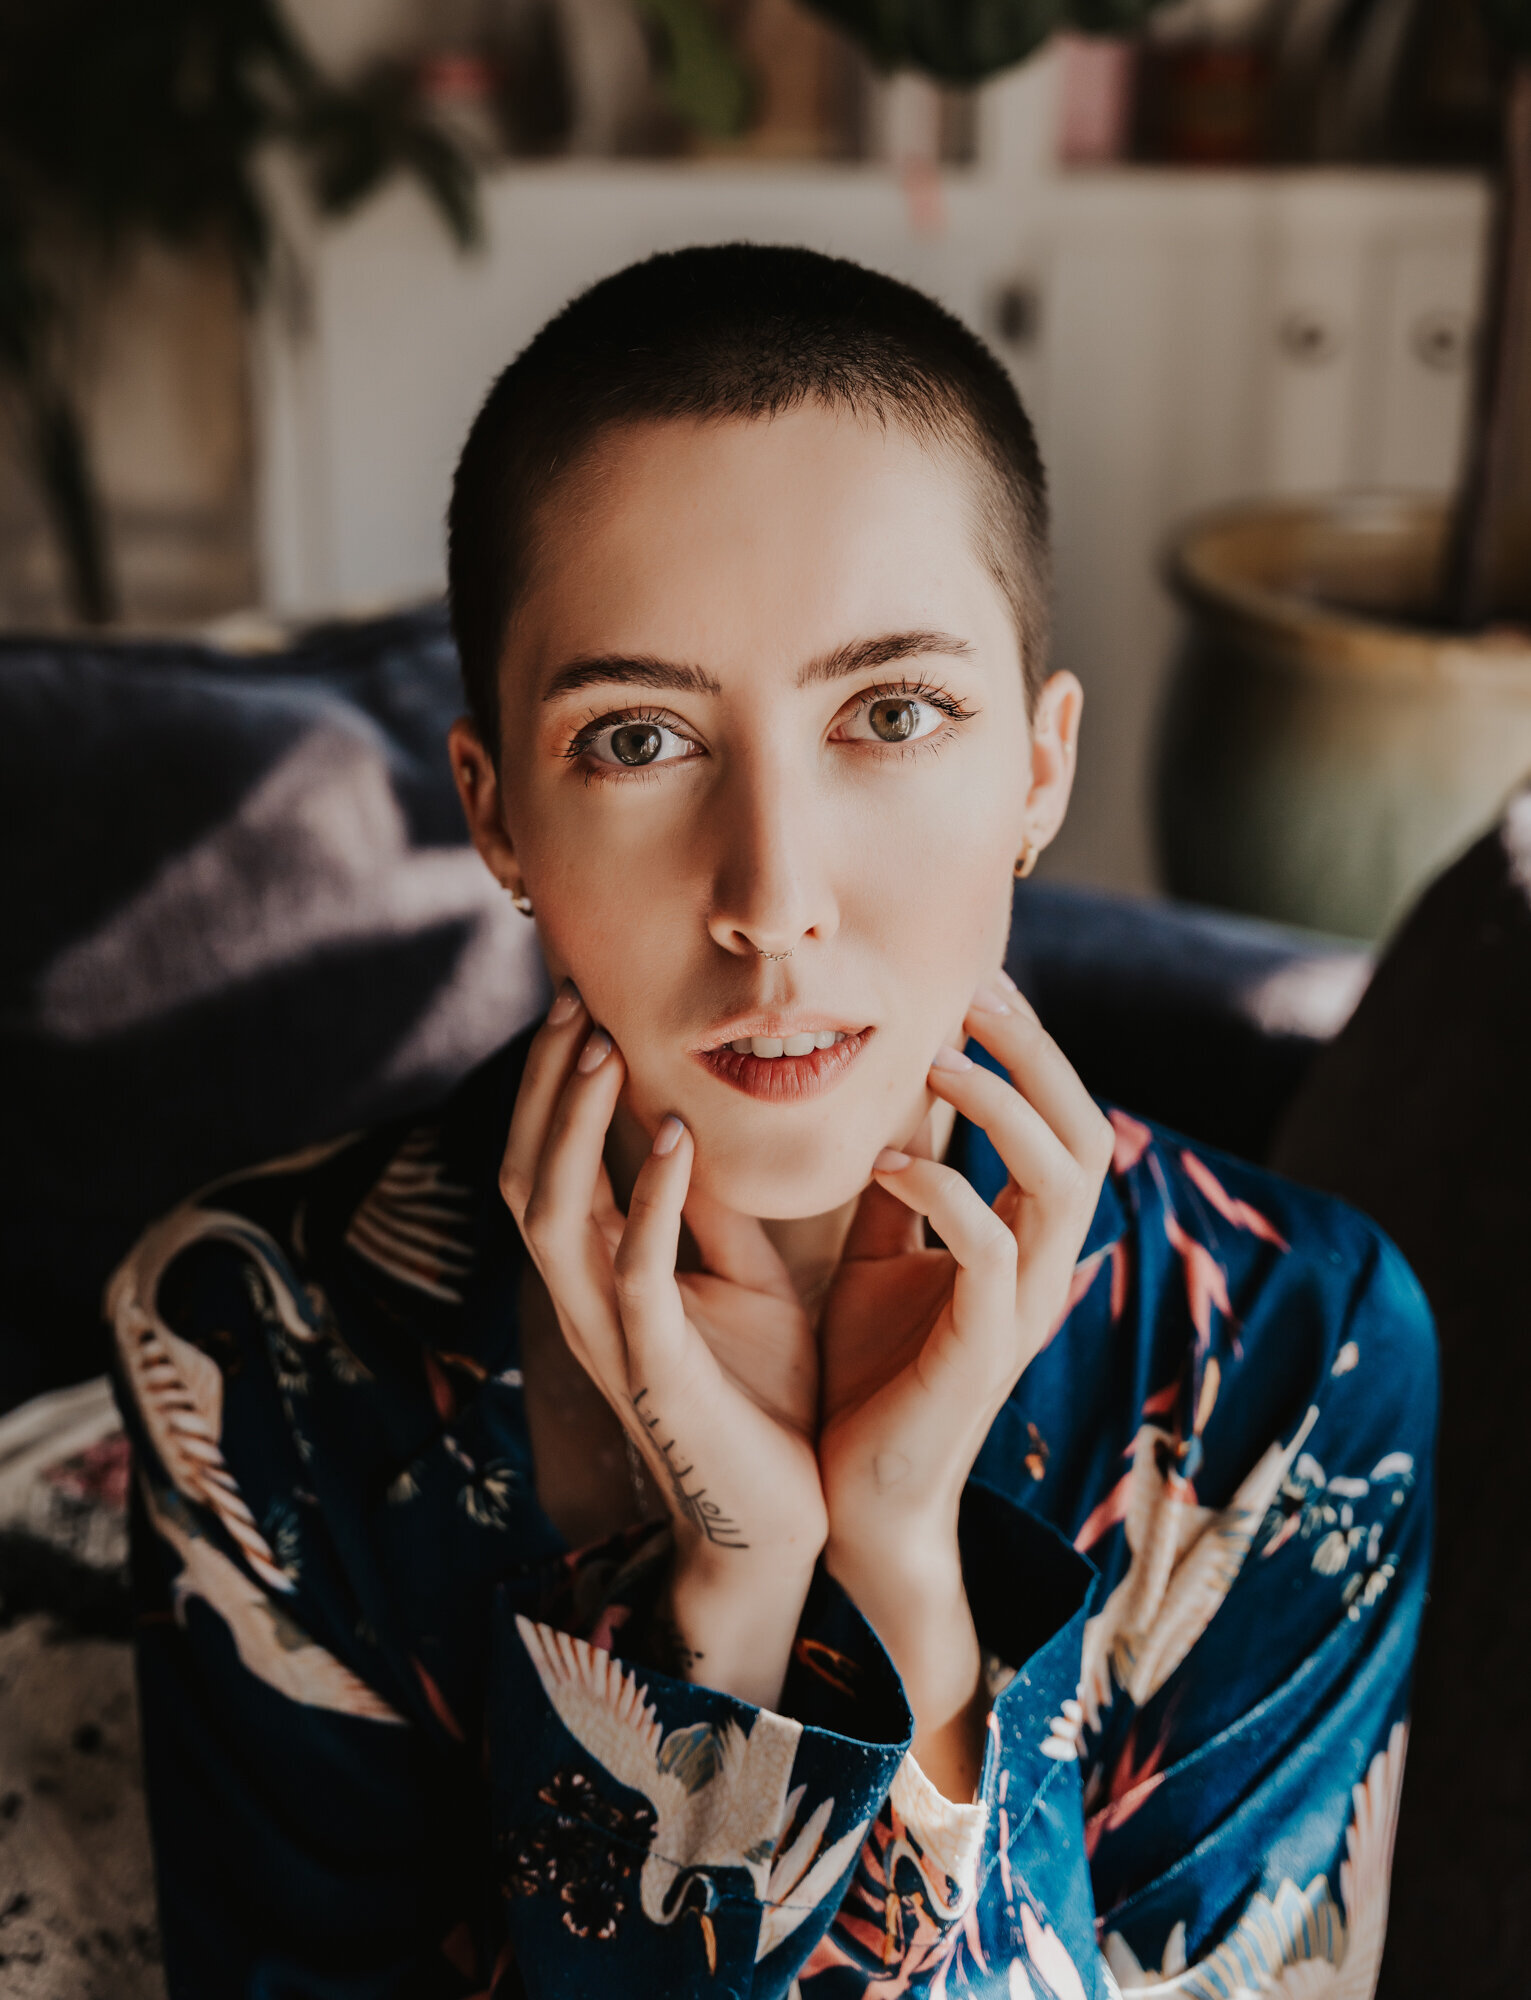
<point x="658" y="1837"/>
<point x="311" y="1837"/>
<point x="1192" y="1780"/>
<point x="653" y="1836"/>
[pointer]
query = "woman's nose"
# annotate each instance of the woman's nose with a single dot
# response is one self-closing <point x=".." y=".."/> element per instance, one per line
<point x="772" y="883"/>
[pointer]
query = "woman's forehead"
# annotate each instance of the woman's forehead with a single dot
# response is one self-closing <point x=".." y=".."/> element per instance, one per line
<point x="758" y="544"/>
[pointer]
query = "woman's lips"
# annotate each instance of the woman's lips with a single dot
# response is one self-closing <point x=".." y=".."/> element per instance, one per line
<point x="785" y="1079"/>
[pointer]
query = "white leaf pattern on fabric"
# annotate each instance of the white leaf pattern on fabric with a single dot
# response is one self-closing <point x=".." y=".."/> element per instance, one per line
<point x="1184" y="1562"/>
<point x="413" y="1224"/>
<point x="948" y="1836"/>
<point x="795" y="1889"/>
<point x="733" y="1818"/>
<point x="178" y="1388"/>
<point x="270" y="1644"/>
<point x="1049" y="1956"/>
<point x="1298" y="1944"/>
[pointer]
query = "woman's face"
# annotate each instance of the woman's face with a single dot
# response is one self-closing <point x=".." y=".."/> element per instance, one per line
<point x="765" y="768"/>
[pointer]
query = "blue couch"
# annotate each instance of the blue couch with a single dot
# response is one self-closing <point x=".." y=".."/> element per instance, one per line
<point x="241" y="915"/>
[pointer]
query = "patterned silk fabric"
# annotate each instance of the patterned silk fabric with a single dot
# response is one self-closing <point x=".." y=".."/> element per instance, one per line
<point x="401" y="1741"/>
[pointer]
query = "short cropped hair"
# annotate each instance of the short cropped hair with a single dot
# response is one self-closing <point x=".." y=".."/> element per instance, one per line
<point x="734" y="331"/>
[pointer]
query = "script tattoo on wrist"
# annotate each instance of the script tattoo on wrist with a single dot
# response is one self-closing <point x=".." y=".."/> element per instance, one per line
<point x="705" y="1515"/>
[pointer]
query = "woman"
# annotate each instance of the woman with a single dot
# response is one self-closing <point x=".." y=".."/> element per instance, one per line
<point x="673" y="1569"/>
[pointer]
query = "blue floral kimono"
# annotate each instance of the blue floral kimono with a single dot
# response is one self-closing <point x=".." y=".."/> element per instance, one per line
<point x="402" y="1741"/>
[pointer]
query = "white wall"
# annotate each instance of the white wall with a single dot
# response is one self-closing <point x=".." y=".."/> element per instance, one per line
<point x="1201" y="337"/>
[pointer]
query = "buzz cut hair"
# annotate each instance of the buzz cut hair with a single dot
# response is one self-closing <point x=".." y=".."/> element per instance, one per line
<point x="728" y="333"/>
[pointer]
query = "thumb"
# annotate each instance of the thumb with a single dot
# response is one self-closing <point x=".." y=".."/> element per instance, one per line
<point x="882" y="1226"/>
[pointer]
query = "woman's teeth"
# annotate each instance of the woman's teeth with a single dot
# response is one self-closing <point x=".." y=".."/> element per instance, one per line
<point x="789" y="1045"/>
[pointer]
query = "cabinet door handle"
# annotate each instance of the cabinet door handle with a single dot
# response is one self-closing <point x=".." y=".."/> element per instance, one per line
<point x="1442" y="340"/>
<point x="1305" y="337"/>
<point x="1016" y="309"/>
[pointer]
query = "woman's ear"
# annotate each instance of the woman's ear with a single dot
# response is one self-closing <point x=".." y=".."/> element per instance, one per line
<point x="1054" y="749"/>
<point x="478" y="786"/>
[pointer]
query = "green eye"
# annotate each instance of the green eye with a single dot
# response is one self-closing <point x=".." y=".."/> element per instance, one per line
<point x="893" y="720"/>
<point x="636" y="743"/>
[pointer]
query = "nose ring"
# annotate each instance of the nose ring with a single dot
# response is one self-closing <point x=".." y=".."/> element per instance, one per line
<point x="774" y="956"/>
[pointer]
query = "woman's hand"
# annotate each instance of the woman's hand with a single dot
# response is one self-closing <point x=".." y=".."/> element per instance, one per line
<point x="712" y="1373"/>
<point x="921" y="1347"/>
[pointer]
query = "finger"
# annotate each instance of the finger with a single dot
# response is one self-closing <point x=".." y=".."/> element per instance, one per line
<point x="558" y="1221"/>
<point x="1007" y="1025"/>
<point x="549" y="1063"/>
<point x="984" y="1250"/>
<point x="883" y="1226"/>
<point x="734" y="1246"/>
<point x="565" y="1178"/>
<point x="609" y="1219"/>
<point x="1040" y="1162"/>
<point x="643" y="1270"/>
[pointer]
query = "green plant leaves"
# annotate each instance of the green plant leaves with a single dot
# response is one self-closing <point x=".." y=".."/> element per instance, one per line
<point x="964" y="41"/>
<point x="705" y="81"/>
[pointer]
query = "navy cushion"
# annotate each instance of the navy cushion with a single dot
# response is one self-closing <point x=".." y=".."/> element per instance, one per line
<point x="1204" y="1021"/>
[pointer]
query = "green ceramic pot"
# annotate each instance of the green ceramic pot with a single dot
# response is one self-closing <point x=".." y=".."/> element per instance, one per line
<point x="1324" y="751"/>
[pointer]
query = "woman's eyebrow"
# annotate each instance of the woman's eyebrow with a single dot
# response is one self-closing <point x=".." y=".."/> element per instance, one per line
<point x="630" y="670"/>
<point x="856" y="656"/>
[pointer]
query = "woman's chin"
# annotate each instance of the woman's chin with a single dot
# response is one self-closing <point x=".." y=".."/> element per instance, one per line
<point x="778" y="1198"/>
<point x="782" y="1181"/>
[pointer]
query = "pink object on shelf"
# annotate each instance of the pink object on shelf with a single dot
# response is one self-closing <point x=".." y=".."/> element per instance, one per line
<point x="1095" y="122"/>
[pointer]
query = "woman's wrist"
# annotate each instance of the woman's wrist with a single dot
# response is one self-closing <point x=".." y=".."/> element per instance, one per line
<point x="912" y="1594"/>
<point x="734" y="1628"/>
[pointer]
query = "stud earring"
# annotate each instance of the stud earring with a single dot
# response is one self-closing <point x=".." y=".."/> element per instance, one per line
<point x="1026" y="860"/>
<point x="522" y="901"/>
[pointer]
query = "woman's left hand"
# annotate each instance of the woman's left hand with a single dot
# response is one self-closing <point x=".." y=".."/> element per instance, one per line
<point x="921" y="1347"/>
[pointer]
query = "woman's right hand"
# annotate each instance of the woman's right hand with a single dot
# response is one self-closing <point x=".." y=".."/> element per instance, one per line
<point x="713" y="1373"/>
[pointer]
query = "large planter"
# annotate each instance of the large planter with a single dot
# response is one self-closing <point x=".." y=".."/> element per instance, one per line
<point x="1323" y="750"/>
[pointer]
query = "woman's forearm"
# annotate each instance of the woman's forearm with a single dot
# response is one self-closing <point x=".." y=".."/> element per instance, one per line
<point x="918" y="1607"/>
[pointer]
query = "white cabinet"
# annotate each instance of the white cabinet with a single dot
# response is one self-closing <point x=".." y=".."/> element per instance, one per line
<point x="1181" y="338"/>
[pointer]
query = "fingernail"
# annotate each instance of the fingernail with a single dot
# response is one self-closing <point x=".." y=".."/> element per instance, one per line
<point x="947" y="1058"/>
<point x="890" y="1161"/>
<point x="667" y="1138"/>
<point x="1007" y="982"/>
<point x="595" y="1051"/>
<point x="565" y="1006"/>
<point x="987" y="1001"/>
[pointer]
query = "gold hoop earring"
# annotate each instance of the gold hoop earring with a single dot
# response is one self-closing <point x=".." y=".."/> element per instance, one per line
<point x="522" y="901"/>
<point x="1026" y="860"/>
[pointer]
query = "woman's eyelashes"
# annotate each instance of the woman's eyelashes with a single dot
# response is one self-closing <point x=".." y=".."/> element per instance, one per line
<point x="907" y="713"/>
<point x="633" y="742"/>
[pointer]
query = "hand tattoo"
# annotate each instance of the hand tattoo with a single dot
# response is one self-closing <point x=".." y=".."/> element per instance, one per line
<point x="705" y="1515"/>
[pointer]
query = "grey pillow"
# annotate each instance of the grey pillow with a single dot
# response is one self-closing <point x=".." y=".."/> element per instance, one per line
<point x="238" y="914"/>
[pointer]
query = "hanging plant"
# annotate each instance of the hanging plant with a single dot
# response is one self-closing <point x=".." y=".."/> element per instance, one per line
<point x="121" y="122"/>
<point x="964" y="41"/>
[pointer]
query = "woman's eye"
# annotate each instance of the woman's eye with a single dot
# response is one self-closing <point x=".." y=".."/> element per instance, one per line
<point x="900" y="718"/>
<point x="633" y="744"/>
